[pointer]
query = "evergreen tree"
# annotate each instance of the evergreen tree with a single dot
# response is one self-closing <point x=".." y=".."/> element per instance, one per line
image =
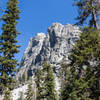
<point x="49" y="82"/>
<point x="74" y="88"/>
<point x="89" y="10"/>
<point x="64" y="73"/>
<point x="39" y="84"/>
<point x="8" y="47"/>
<point x="30" y="92"/>
<point x="45" y="83"/>
<point x="70" y="85"/>
<point x="83" y="80"/>
<point x="83" y="83"/>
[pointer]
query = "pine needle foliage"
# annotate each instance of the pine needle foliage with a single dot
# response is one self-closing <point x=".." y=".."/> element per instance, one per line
<point x="46" y="83"/>
<point x="83" y="81"/>
<point x="39" y="84"/>
<point x="29" y="92"/>
<point x="49" y="82"/>
<point x="8" y="47"/>
<point x="88" y="11"/>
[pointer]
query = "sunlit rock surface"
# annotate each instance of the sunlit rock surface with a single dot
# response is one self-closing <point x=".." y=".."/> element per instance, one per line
<point x="54" y="46"/>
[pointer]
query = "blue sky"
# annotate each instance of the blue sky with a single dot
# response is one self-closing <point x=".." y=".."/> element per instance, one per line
<point x="37" y="15"/>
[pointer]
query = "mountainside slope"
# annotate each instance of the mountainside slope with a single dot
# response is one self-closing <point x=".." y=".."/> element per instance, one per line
<point x="53" y="46"/>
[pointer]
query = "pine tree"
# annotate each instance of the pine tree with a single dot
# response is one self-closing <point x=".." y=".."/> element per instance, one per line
<point x="49" y="82"/>
<point x="30" y="92"/>
<point x="70" y="87"/>
<point x="75" y="88"/>
<point x="64" y="73"/>
<point x="45" y="83"/>
<point x="8" y="47"/>
<point x="87" y="50"/>
<point x="83" y="77"/>
<point x="89" y="10"/>
<point x="83" y="82"/>
<point x="39" y="84"/>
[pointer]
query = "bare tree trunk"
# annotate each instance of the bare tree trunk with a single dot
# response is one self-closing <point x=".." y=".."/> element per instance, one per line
<point x="95" y="21"/>
<point x="94" y="18"/>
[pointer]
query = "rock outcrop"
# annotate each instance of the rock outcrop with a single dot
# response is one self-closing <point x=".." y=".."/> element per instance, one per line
<point x="53" y="46"/>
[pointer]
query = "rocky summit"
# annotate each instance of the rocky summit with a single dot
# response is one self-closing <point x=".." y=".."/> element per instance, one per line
<point x="53" y="46"/>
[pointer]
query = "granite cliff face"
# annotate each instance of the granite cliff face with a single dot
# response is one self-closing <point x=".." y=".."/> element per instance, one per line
<point x="53" y="46"/>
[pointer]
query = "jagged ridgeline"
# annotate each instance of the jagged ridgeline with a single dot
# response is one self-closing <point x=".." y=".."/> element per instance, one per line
<point x="53" y="46"/>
